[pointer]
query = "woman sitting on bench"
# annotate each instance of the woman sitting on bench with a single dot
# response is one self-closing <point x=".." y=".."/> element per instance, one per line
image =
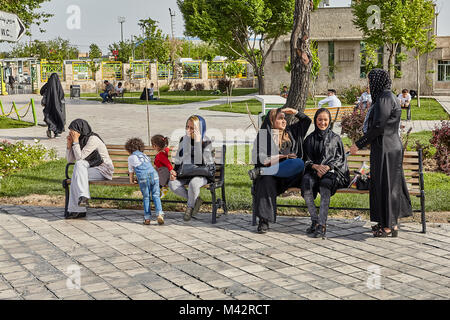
<point x="194" y="165"/>
<point x="277" y="154"/>
<point x="326" y="170"/>
<point x="92" y="162"/>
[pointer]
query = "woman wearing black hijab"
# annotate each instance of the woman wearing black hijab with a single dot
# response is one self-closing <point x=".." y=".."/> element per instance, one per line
<point x="92" y="162"/>
<point x="54" y="106"/>
<point x="389" y="197"/>
<point x="326" y="170"/>
<point x="277" y="154"/>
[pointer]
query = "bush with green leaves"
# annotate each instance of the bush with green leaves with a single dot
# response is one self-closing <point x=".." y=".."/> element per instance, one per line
<point x="164" y="88"/>
<point x="17" y="156"/>
<point x="351" y="94"/>
<point x="441" y="141"/>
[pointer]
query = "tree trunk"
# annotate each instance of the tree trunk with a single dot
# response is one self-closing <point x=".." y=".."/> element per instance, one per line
<point x="301" y="57"/>
<point x="418" y="81"/>
<point x="260" y="82"/>
<point x="391" y="64"/>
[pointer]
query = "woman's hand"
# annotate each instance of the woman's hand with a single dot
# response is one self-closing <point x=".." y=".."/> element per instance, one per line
<point x="173" y="175"/>
<point x="290" y="111"/>
<point x="69" y="141"/>
<point x="292" y="156"/>
<point x="75" y="135"/>
<point x="321" y="169"/>
<point x="354" y="149"/>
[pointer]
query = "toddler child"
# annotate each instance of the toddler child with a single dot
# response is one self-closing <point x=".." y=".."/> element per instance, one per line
<point x="147" y="178"/>
<point x="162" y="163"/>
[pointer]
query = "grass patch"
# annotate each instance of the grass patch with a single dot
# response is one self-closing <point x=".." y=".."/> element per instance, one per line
<point x="173" y="100"/>
<point x="204" y="93"/>
<point x="46" y="178"/>
<point x="430" y="110"/>
<point x="254" y="106"/>
<point x="8" y="123"/>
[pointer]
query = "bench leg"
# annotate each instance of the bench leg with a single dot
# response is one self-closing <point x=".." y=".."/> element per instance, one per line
<point x="224" y="202"/>
<point x="214" y="206"/>
<point x="422" y="208"/>
<point x="66" y="202"/>
<point x="253" y="205"/>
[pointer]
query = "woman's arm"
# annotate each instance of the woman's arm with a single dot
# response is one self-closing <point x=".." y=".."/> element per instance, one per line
<point x="300" y="128"/>
<point x="91" y="145"/>
<point x="381" y="115"/>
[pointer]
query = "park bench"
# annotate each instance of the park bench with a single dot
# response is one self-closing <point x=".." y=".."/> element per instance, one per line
<point x="116" y="95"/>
<point x="119" y="156"/>
<point x="336" y="112"/>
<point x="413" y="171"/>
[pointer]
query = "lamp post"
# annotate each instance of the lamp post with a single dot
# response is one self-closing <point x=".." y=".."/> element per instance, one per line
<point x="121" y="20"/>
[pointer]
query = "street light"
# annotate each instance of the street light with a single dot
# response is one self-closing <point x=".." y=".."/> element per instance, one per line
<point x="121" y="20"/>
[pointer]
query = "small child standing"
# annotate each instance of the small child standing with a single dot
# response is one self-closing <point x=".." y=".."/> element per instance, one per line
<point x="162" y="163"/>
<point x="147" y="178"/>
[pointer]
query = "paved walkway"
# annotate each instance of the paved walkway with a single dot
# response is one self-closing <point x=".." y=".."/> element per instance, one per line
<point x="115" y="123"/>
<point x="111" y="255"/>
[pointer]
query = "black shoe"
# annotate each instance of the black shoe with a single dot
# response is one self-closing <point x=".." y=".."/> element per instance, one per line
<point x="83" y="202"/>
<point x="320" y="232"/>
<point x="75" y="215"/>
<point x="57" y="135"/>
<point x="254" y="173"/>
<point x="312" y="228"/>
<point x="263" y="226"/>
<point x="49" y="134"/>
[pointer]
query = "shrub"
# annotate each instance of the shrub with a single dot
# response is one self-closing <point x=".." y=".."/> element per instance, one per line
<point x="199" y="87"/>
<point x="352" y="124"/>
<point x="223" y="84"/>
<point x="187" y="86"/>
<point x="441" y="140"/>
<point x="164" y="88"/>
<point x="16" y="156"/>
<point x="350" y="95"/>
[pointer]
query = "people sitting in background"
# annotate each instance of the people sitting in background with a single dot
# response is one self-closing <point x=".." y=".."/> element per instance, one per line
<point x="405" y="102"/>
<point x="106" y="95"/>
<point x="332" y="100"/>
<point x="148" y="92"/>
<point x="119" y="89"/>
<point x="365" y="100"/>
<point x="285" y="92"/>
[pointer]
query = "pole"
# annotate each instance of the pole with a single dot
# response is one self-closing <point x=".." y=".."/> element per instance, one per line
<point x="121" y="31"/>
<point x="34" y="112"/>
<point x="148" y="114"/>
<point x="17" y="112"/>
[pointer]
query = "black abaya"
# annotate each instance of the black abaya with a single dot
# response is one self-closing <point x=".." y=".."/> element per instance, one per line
<point x="54" y="105"/>
<point x="389" y="197"/>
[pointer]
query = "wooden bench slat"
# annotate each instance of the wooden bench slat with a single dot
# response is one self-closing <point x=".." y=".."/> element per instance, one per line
<point x="367" y="159"/>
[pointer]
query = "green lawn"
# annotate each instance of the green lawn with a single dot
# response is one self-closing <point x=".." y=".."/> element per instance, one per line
<point x="430" y="110"/>
<point x="204" y="93"/>
<point x="46" y="179"/>
<point x="254" y="106"/>
<point x="8" y="123"/>
<point x="169" y="100"/>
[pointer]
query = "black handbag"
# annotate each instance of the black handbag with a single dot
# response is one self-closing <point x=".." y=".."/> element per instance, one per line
<point x="363" y="182"/>
<point x="94" y="159"/>
<point x="188" y="170"/>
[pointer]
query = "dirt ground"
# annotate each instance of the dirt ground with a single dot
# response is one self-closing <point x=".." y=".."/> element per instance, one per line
<point x="58" y="201"/>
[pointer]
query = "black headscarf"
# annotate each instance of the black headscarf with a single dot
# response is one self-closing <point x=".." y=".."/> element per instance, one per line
<point x="84" y="129"/>
<point x="379" y="81"/>
<point x="54" y="107"/>
<point x="318" y="137"/>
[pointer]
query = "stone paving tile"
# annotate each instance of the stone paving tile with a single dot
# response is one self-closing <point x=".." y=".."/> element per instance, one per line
<point x="196" y="260"/>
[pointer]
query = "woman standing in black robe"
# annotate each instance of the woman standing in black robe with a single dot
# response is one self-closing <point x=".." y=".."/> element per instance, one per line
<point x="389" y="197"/>
<point x="277" y="155"/>
<point x="54" y="106"/>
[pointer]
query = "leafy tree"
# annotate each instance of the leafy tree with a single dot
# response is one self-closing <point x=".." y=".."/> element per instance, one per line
<point x="26" y="10"/>
<point x="154" y="43"/>
<point x="230" y="70"/>
<point x="199" y="51"/>
<point x="55" y="50"/>
<point x="239" y="28"/>
<point x="125" y="49"/>
<point x="94" y="53"/>
<point x="315" y="68"/>
<point x="420" y="38"/>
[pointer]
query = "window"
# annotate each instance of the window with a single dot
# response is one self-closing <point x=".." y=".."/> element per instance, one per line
<point x="346" y="55"/>
<point x="331" y="66"/>
<point x="444" y="71"/>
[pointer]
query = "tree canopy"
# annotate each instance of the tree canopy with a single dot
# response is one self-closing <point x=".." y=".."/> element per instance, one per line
<point x="57" y="49"/>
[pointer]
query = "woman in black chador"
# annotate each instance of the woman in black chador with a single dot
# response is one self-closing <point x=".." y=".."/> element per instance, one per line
<point x="277" y="155"/>
<point x="326" y="170"/>
<point x="54" y="106"/>
<point x="389" y="197"/>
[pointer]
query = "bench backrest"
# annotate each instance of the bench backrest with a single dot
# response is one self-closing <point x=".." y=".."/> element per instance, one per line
<point x="119" y="157"/>
<point x="411" y="166"/>
<point x="340" y="111"/>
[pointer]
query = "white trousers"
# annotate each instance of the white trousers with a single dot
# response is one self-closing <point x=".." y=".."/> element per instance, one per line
<point x="79" y="186"/>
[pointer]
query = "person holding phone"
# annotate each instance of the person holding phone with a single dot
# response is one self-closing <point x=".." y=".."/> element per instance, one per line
<point x="277" y="155"/>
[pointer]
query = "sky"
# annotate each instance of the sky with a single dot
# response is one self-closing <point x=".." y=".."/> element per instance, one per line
<point x="98" y="20"/>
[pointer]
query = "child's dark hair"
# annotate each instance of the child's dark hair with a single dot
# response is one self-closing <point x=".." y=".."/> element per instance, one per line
<point x="160" y="141"/>
<point x="134" y="144"/>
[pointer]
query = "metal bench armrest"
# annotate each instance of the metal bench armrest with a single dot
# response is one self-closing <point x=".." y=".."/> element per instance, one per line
<point x="67" y="169"/>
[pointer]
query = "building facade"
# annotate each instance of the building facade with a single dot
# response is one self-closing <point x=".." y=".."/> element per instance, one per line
<point x="340" y="45"/>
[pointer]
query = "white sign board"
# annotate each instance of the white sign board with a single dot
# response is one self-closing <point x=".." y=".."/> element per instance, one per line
<point x="11" y="28"/>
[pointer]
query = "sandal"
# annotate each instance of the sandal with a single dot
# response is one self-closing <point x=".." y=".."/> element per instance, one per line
<point x="376" y="227"/>
<point x="147" y="222"/>
<point x="381" y="233"/>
